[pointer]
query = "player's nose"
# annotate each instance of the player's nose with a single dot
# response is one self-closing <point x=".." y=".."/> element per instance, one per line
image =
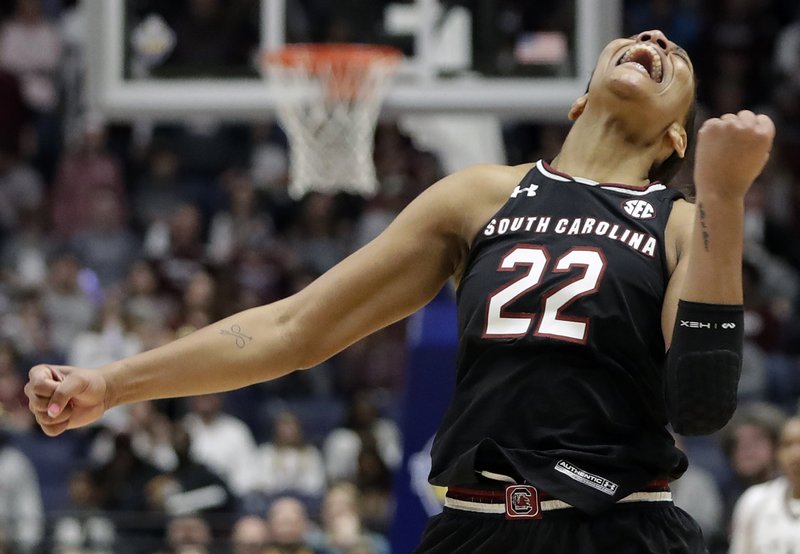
<point x="656" y="37"/>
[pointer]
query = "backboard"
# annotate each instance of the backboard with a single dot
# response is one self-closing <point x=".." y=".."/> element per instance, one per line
<point x="521" y="60"/>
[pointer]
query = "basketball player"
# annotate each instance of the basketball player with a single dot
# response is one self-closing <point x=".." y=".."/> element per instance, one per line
<point x="574" y="278"/>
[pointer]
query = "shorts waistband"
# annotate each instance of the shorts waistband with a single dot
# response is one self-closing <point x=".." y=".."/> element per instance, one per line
<point x="528" y="502"/>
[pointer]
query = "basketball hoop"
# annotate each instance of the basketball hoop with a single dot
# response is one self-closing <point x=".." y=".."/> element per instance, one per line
<point x="331" y="125"/>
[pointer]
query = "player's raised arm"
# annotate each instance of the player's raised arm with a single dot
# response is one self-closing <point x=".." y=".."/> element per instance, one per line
<point x="703" y="315"/>
<point x="383" y="282"/>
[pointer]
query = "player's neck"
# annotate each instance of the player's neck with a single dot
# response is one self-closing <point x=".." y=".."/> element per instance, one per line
<point x="602" y="150"/>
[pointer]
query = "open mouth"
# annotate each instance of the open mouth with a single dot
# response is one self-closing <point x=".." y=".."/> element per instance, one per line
<point x="644" y="57"/>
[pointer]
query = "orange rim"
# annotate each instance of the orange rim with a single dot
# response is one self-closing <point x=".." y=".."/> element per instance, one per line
<point x="318" y="57"/>
<point x="342" y="68"/>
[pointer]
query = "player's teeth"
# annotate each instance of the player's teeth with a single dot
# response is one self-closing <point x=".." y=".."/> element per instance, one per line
<point x="657" y="69"/>
<point x="640" y="66"/>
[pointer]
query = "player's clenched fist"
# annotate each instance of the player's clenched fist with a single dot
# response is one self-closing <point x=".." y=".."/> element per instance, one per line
<point x="64" y="397"/>
<point x="731" y="152"/>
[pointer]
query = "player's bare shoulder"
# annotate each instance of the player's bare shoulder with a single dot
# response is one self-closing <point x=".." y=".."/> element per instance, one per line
<point x="467" y="199"/>
<point x="480" y="190"/>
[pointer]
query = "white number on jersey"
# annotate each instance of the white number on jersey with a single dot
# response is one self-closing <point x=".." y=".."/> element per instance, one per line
<point x="552" y="323"/>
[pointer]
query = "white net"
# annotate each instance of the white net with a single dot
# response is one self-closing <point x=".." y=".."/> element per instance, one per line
<point x="331" y="125"/>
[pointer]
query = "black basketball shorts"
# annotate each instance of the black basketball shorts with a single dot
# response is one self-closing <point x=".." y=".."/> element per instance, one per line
<point x="635" y="528"/>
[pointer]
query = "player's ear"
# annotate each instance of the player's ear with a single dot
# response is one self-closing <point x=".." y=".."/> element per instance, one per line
<point x="677" y="139"/>
<point x="577" y="107"/>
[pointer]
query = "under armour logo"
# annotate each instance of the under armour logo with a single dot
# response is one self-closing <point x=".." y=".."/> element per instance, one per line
<point x="531" y="190"/>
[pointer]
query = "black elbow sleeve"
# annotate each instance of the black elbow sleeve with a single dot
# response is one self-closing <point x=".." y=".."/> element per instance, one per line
<point x="704" y="363"/>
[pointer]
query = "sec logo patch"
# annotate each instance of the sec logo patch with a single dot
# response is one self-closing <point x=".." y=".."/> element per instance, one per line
<point x="640" y="209"/>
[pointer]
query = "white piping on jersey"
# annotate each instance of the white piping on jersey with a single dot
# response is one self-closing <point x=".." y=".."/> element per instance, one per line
<point x="497" y="477"/>
<point x="550" y="175"/>
<point x="548" y="505"/>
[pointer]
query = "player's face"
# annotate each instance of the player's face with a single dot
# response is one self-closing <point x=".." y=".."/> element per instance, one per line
<point x="650" y="74"/>
<point x="789" y="451"/>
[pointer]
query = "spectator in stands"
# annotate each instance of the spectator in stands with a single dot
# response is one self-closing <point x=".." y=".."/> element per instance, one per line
<point x="151" y="438"/>
<point x="317" y="237"/>
<point x="749" y="442"/>
<point x="27" y="327"/>
<point x="288" y="464"/>
<point x="269" y="165"/>
<point x="220" y="441"/>
<point x="85" y="526"/>
<point x="21" y="189"/>
<point x="108" y="339"/>
<point x="12" y="398"/>
<point x="787" y="52"/>
<point x="200" y="294"/>
<point x="243" y="226"/>
<point x="123" y="477"/>
<point x="342" y="527"/>
<point x="68" y="308"/>
<point x="376" y="362"/>
<point x="374" y="480"/>
<point x="190" y="487"/>
<point x="697" y="493"/>
<point x="201" y="303"/>
<point x="160" y="191"/>
<point x="21" y="513"/>
<point x="188" y="535"/>
<point x="30" y="48"/>
<point x="364" y="426"/>
<point x="250" y="535"/>
<point x="25" y="252"/>
<point x="290" y="528"/>
<point x="177" y="247"/>
<point x="15" y="115"/>
<point x="85" y="170"/>
<point x="762" y="325"/>
<point x="143" y="298"/>
<point x="766" y="516"/>
<point x="122" y="485"/>
<point x="106" y="246"/>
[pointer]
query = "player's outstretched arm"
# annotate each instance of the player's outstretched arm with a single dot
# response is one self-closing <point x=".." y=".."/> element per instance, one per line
<point x="383" y="282"/>
<point x="702" y="315"/>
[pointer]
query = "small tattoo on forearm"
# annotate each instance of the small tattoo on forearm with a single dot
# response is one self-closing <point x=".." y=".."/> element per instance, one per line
<point x="236" y="332"/>
<point x="705" y="234"/>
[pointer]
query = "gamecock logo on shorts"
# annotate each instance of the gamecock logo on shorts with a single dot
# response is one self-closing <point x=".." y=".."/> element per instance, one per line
<point x="522" y="502"/>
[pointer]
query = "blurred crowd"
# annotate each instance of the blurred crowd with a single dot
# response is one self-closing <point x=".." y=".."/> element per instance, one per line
<point x="115" y="239"/>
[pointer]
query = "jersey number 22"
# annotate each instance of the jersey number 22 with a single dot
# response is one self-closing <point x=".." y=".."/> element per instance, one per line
<point x="552" y="322"/>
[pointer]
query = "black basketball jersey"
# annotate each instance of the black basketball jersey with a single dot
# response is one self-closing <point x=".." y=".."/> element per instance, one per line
<point x="560" y="346"/>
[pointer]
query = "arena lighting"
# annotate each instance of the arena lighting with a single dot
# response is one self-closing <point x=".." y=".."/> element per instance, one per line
<point x="419" y="91"/>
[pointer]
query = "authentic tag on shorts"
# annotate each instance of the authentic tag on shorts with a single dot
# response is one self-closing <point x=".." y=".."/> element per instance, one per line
<point x="522" y="502"/>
